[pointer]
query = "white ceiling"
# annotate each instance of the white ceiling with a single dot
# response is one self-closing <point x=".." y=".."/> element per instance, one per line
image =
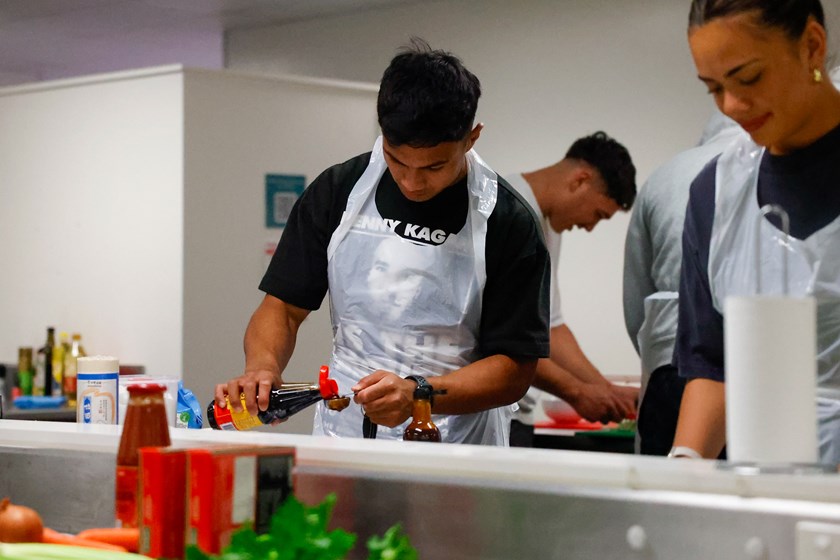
<point x="51" y="39"/>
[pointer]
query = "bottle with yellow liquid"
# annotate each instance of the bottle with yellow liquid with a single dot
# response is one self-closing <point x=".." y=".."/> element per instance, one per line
<point x="58" y="361"/>
<point x="71" y="357"/>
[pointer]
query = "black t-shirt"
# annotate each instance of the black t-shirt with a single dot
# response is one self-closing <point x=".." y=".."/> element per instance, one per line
<point x="806" y="183"/>
<point x="514" y="312"/>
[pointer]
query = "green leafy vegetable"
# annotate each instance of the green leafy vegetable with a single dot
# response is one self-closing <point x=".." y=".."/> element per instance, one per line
<point x="298" y="532"/>
<point x="394" y="545"/>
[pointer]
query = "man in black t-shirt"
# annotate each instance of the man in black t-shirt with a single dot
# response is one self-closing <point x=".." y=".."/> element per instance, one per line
<point x="436" y="270"/>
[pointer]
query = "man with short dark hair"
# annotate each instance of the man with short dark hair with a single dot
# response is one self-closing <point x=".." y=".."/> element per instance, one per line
<point x="436" y="270"/>
<point x="592" y="182"/>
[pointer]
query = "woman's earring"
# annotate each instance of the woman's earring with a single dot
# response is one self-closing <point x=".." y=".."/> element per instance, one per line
<point x="818" y="77"/>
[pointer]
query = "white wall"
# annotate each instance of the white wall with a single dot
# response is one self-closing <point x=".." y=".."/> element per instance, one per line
<point x="237" y="129"/>
<point x="551" y="71"/>
<point x="91" y="216"/>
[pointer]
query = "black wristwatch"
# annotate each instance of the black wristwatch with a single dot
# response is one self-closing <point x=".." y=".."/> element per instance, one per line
<point x="422" y="382"/>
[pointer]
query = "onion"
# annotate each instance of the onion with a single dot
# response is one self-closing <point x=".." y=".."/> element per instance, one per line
<point x="19" y="523"/>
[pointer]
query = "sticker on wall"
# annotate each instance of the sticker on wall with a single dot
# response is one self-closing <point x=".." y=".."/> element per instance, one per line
<point x="281" y="193"/>
<point x="269" y="247"/>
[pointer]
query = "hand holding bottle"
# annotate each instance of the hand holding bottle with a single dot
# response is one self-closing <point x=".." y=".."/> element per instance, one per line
<point x="283" y="401"/>
<point x="253" y="387"/>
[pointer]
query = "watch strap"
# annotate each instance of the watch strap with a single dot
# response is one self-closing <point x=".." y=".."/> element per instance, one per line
<point x="423" y="383"/>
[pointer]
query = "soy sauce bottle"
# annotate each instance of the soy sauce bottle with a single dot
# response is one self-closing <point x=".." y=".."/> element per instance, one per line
<point x="284" y="401"/>
<point x="421" y="427"/>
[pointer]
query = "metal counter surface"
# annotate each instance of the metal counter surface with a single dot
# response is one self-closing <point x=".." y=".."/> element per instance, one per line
<point x="459" y="501"/>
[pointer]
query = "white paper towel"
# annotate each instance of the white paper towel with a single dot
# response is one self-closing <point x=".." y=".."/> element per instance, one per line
<point x="771" y="376"/>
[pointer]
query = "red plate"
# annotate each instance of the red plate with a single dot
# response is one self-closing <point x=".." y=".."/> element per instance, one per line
<point x="581" y="424"/>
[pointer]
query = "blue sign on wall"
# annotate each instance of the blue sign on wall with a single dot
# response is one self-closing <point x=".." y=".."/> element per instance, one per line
<point x="281" y="193"/>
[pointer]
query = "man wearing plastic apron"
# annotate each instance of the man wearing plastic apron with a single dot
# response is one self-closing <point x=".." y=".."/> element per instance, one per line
<point x="431" y="335"/>
<point x="652" y="256"/>
<point x="814" y="270"/>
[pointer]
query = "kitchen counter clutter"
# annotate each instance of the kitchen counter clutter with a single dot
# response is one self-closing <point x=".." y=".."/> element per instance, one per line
<point x="459" y="501"/>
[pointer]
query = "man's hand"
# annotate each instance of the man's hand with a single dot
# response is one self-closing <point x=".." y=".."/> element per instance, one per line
<point x="386" y="398"/>
<point x="629" y="397"/>
<point x="255" y="385"/>
<point x="269" y="342"/>
<point x="598" y="402"/>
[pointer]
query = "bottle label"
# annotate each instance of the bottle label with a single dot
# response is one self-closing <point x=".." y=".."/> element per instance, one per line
<point x="126" y="496"/>
<point x="40" y="376"/>
<point x="70" y="387"/>
<point x="97" y="398"/>
<point x="228" y="419"/>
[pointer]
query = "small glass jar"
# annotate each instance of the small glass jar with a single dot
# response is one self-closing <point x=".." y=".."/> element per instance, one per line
<point x="422" y="428"/>
<point x="145" y="425"/>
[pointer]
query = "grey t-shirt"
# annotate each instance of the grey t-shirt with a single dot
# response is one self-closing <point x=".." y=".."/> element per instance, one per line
<point x="653" y="248"/>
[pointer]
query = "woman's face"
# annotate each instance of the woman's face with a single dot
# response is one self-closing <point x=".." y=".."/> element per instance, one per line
<point x="759" y="77"/>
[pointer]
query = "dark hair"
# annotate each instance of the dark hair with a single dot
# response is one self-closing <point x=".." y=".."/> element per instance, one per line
<point x="613" y="162"/>
<point x="789" y="15"/>
<point x="426" y="97"/>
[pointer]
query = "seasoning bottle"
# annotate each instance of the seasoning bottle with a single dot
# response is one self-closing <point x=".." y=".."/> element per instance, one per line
<point x="421" y="427"/>
<point x="284" y="401"/>
<point x="25" y="373"/>
<point x="71" y="357"/>
<point x="58" y="363"/>
<point x="44" y="366"/>
<point x="145" y="426"/>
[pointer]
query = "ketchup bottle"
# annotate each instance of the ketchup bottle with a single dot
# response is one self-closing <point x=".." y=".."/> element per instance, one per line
<point x="421" y="427"/>
<point x="145" y="426"/>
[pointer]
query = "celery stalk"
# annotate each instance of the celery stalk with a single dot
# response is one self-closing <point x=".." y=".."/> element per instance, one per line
<point x="40" y="551"/>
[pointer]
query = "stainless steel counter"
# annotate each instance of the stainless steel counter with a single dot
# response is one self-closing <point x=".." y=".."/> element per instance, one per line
<point x="476" y="502"/>
<point x="62" y="414"/>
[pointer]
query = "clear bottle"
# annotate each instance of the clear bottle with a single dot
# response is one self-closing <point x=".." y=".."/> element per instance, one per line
<point x="145" y="426"/>
<point x="25" y="374"/>
<point x="421" y="427"/>
<point x="58" y="361"/>
<point x="71" y="368"/>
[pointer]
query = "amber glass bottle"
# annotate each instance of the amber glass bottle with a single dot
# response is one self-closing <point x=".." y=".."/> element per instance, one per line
<point x="421" y="427"/>
<point x="145" y="426"/>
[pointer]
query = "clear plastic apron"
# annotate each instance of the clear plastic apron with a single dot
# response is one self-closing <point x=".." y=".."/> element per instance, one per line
<point x="814" y="270"/>
<point x="406" y="307"/>
<point x="657" y="334"/>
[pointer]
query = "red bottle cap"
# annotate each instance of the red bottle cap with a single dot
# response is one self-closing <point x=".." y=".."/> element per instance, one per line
<point x="145" y="388"/>
<point x="329" y="387"/>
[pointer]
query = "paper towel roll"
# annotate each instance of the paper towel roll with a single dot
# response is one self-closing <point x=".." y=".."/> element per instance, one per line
<point x="771" y="377"/>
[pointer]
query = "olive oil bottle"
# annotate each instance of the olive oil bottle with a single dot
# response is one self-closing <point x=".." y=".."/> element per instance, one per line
<point x="75" y="352"/>
<point x="44" y="366"/>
